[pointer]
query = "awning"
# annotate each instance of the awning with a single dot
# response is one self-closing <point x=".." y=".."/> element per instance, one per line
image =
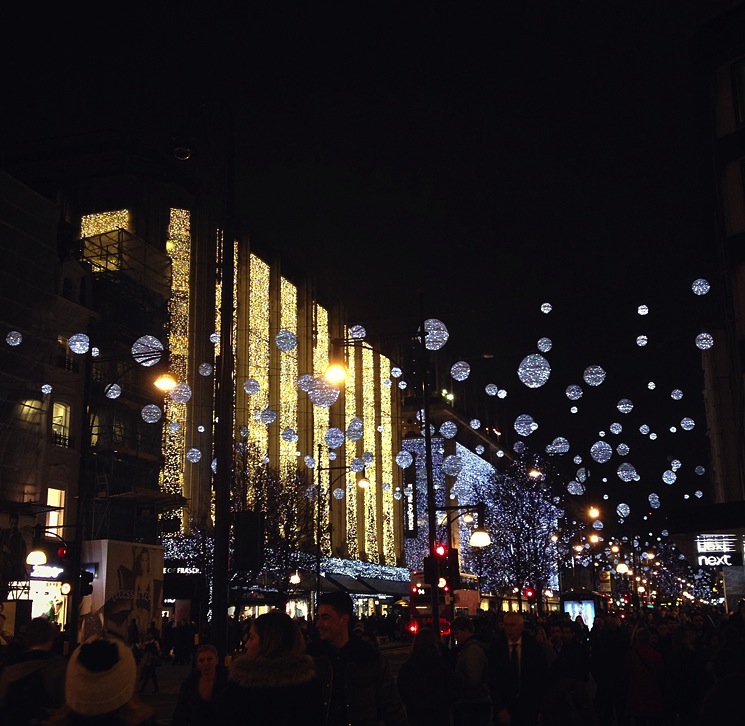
<point x="398" y="588"/>
<point x="350" y="584"/>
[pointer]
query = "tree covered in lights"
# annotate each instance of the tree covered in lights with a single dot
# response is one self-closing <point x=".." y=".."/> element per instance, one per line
<point x="286" y="502"/>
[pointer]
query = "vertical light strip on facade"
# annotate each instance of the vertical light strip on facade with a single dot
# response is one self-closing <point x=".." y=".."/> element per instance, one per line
<point x="373" y="470"/>
<point x="288" y="392"/>
<point x="350" y="411"/>
<point x="388" y="549"/>
<point x="258" y="351"/>
<point x="178" y="246"/>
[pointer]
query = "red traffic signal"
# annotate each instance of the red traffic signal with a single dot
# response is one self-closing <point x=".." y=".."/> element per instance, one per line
<point x="62" y="552"/>
<point x="441" y="550"/>
<point x="529" y="593"/>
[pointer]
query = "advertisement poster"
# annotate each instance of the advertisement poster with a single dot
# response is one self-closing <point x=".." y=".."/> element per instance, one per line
<point x="127" y="588"/>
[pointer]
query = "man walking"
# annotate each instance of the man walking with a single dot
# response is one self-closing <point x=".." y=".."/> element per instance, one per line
<point x="471" y="700"/>
<point x="359" y="688"/>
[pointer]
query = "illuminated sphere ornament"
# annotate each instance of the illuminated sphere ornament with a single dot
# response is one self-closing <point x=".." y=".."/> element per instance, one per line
<point x="174" y="426"/>
<point x="545" y="345"/>
<point x="213" y="466"/>
<point x="534" y="370"/>
<point x="448" y="429"/>
<point x="113" y="391"/>
<point x="396" y="372"/>
<point x="338" y="493"/>
<point x="147" y="350"/>
<point x="669" y="477"/>
<point x="200" y="428"/>
<point x="593" y="375"/>
<point x="334" y="438"/>
<point x="251" y="386"/>
<point x="699" y="470"/>
<point x="574" y="392"/>
<point x="616" y="428"/>
<point x="310" y="462"/>
<point x="46" y="389"/>
<point x="357" y="332"/>
<point x="704" y="341"/>
<point x="601" y="451"/>
<point x="285" y="340"/>
<point x="642" y="340"/>
<point x="397" y="495"/>
<point x="687" y="424"/>
<point x="622" y="450"/>
<point x="575" y="488"/>
<point x="597" y="524"/>
<point x="289" y="435"/>
<point x="436" y="334"/>
<point x="79" y="343"/>
<point x="623" y="510"/>
<point x="491" y="389"/>
<point x="502" y="393"/>
<point x="358" y="464"/>
<point x="700" y="286"/>
<point x="402" y="385"/>
<point x="475" y="424"/>
<point x="626" y="472"/>
<point x="546" y="308"/>
<point x="460" y="370"/>
<point x="643" y="310"/>
<point x="268" y="416"/>
<point x="205" y="369"/>
<point x="181" y="393"/>
<point x="151" y="413"/>
<point x="558" y="446"/>
<point x="305" y="382"/>
<point x="676" y="395"/>
<point x="404" y="459"/>
<point x="698" y="493"/>
<point x="453" y="465"/>
<point x="654" y="501"/>
<point x="194" y="455"/>
<point x="675" y="464"/>
<point x="322" y="393"/>
<point x="644" y="429"/>
<point x="479" y="449"/>
<point x="355" y="429"/>
<point x="13" y="338"/>
<point x="525" y="425"/>
<point x="215" y="337"/>
<point x="625" y="405"/>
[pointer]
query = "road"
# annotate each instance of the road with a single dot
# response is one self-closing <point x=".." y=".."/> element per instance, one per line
<point x="171" y="676"/>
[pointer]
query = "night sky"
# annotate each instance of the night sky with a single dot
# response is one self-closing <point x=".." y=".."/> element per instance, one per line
<point x="467" y="165"/>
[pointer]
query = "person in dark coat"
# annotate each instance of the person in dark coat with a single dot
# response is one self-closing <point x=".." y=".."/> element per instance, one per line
<point x="201" y="690"/>
<point x="274" y="681"/>
<point x="358" y="686"/>
<point x="517" y="691"/>
<point x="645" y="673"/>
<point x="424" y="682"/>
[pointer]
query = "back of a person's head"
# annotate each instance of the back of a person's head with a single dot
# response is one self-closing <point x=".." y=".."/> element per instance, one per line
<point x="462" y="623"/>
<point x="426" y="643"/>
<point x="279" y="635"/>
<point x="101" y="675"/>
<point x="340" y="601"/>
<point x="39" y="632"/>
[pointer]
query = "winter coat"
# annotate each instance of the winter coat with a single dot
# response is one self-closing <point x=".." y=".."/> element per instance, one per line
<point x="370" y="692"/>
<point x="278" y="691"/>
<point x="190" y="709"/>
<point x="32" y="688"/>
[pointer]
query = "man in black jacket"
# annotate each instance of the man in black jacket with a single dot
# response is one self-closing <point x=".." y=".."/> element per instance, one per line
<point x="358" y="685"/>
<point x="518" y="671"/>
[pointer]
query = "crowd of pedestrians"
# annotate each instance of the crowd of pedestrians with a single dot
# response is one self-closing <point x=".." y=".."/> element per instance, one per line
<point x="660" y="668"/>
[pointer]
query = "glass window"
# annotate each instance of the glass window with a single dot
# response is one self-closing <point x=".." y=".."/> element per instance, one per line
<point x="55" y="498"/>
<point x="61" y="425"/>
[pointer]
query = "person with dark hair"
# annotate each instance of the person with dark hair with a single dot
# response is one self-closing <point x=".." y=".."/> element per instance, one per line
<point x="471" y="698"/>
<point x="424" y="682"/>
<point x="100" y="687"/>
<point x="33" y="687"/>
<point x="202" y="690"/>
<point x="358" y="685"/>
<point x="274" y="681"/>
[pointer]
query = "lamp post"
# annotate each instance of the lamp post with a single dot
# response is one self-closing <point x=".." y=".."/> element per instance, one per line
<point x="225" y="384"/>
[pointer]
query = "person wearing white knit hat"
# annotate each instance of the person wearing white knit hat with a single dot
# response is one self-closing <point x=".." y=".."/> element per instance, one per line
<point x="100" y="687"/>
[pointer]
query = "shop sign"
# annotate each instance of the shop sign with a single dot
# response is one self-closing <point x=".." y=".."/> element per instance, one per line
<point x="46" y="572"/>
<point x="718" y="550"/>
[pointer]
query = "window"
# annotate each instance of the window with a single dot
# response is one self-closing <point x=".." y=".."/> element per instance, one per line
<point x="61" y="425"/>
<point x="55" y="519"/>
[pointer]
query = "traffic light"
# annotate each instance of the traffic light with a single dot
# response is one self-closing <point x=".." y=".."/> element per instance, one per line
<point x="453" y="569"/>
<point x="86" y="582"/>
<point x="68" y="576"/>
<point x="431" y="571"/>
<point x="529" y="593"/>
<point x="441" y="559"/>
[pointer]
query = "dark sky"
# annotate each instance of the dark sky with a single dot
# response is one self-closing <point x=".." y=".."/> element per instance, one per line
<point x="444" y="161"/>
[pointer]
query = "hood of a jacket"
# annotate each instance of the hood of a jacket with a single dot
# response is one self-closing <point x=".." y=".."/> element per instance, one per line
<point x="272" y="672"/>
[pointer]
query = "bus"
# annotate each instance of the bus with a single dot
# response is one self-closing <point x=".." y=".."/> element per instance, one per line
<point x="463" y="601"/>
